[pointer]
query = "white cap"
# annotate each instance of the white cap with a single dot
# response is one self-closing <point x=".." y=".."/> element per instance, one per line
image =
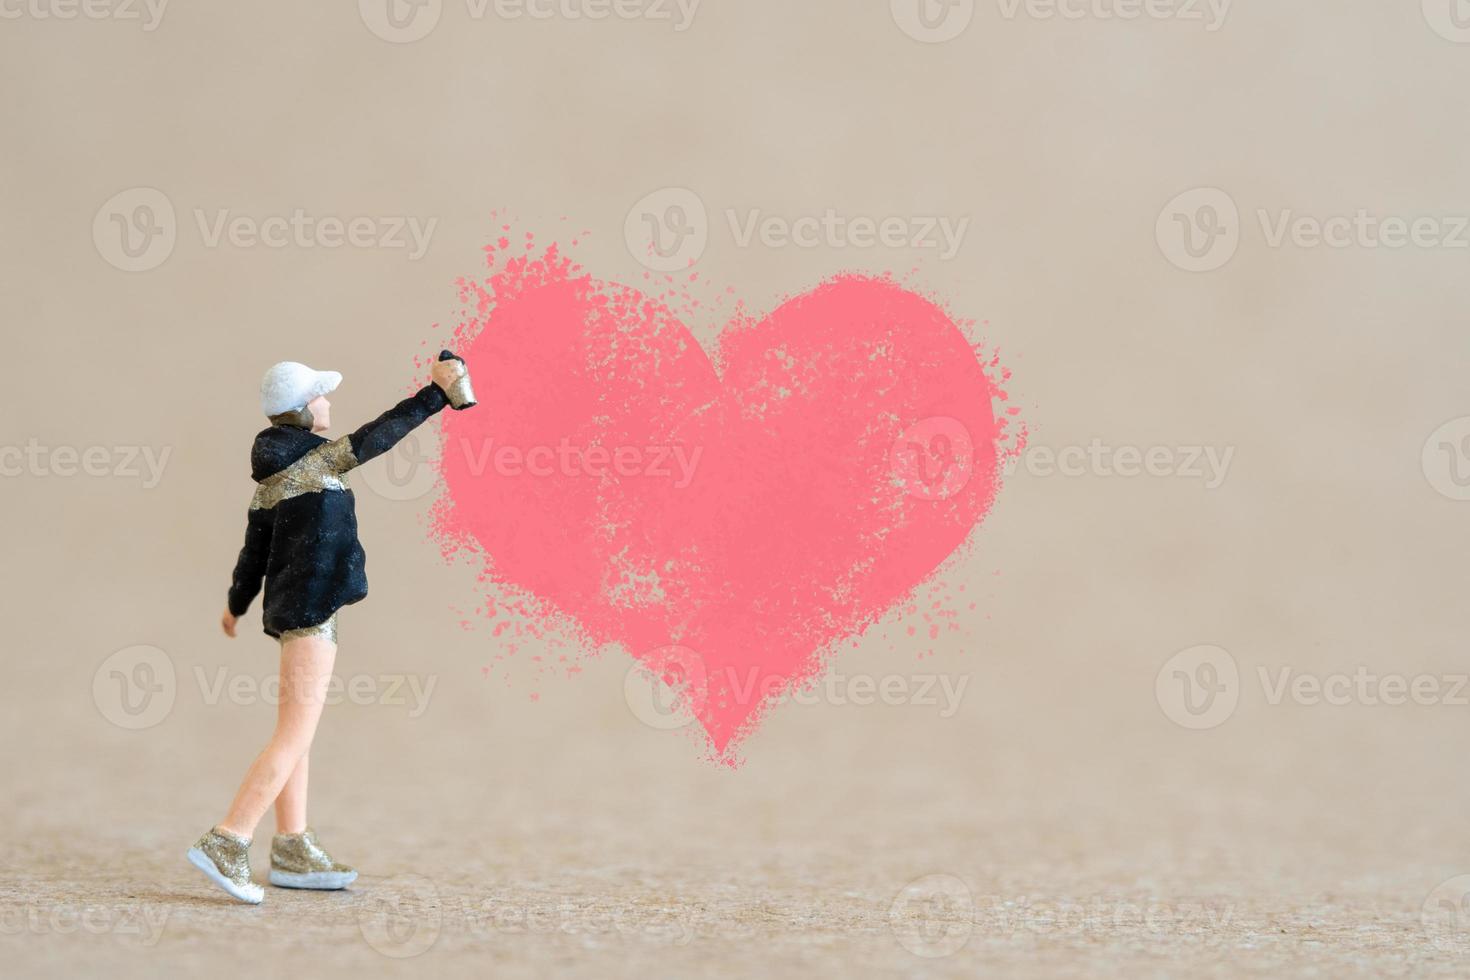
<point x="288" y="386"/>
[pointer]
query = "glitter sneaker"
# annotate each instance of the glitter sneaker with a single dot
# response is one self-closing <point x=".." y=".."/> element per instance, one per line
<point x="298" y="861"/>
<point x="225" y="860"/>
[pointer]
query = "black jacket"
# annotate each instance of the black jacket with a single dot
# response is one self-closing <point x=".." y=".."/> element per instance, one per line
<point x="301" y="532"/>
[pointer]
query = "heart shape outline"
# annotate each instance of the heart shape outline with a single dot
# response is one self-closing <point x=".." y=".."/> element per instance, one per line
<point x="814" y="506"/>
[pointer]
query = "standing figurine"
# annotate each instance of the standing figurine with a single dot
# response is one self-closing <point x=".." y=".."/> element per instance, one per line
<point x="301" y="539"/>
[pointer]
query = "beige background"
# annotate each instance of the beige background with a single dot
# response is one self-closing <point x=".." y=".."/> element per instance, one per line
<point x="1082" y="831"/>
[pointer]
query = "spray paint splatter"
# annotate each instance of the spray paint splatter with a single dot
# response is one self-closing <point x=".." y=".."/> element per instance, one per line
<point x="727" y="520"/>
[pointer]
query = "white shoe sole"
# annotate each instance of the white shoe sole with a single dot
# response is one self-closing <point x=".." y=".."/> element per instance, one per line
<point x="327" y="881"/>
<point x="252" y="893"/>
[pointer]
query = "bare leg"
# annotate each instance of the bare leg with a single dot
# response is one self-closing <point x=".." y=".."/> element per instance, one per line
<point x="306" y="669"/>
<point x="291" y="803"/>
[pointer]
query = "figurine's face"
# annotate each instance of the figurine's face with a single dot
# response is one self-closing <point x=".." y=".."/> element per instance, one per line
<point x="321" y="413"/>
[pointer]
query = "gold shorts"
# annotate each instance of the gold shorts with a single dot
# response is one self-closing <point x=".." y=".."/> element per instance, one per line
<point x="327" y="629"/>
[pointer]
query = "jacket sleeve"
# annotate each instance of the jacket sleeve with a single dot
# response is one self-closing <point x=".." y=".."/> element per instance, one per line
<point x="384" y="432"/>
<point x="250" y="566"/>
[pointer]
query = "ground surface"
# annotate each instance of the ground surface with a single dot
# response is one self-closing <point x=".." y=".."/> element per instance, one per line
<point x="1008" y="853"/>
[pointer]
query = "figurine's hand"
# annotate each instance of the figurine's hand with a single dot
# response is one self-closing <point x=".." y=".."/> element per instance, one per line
<point x="227" y="623"/>
<point x="446" y="373"/>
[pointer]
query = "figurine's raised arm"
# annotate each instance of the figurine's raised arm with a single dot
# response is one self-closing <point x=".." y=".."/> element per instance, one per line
<point x="307" y="551"/>
<point x="385" y="431"/>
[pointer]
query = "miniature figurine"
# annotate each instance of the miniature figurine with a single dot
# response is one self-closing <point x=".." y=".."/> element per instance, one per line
<point x="301" y="540"/>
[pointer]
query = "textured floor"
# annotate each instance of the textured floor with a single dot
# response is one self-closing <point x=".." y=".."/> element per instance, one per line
<point x="1002" y="850"/>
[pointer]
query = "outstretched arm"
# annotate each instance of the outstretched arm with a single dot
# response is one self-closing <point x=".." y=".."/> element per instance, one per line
<point x="384" y="432"/>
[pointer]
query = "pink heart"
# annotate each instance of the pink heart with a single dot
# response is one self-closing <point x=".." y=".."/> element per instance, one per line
<point x="739" y="523"/>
